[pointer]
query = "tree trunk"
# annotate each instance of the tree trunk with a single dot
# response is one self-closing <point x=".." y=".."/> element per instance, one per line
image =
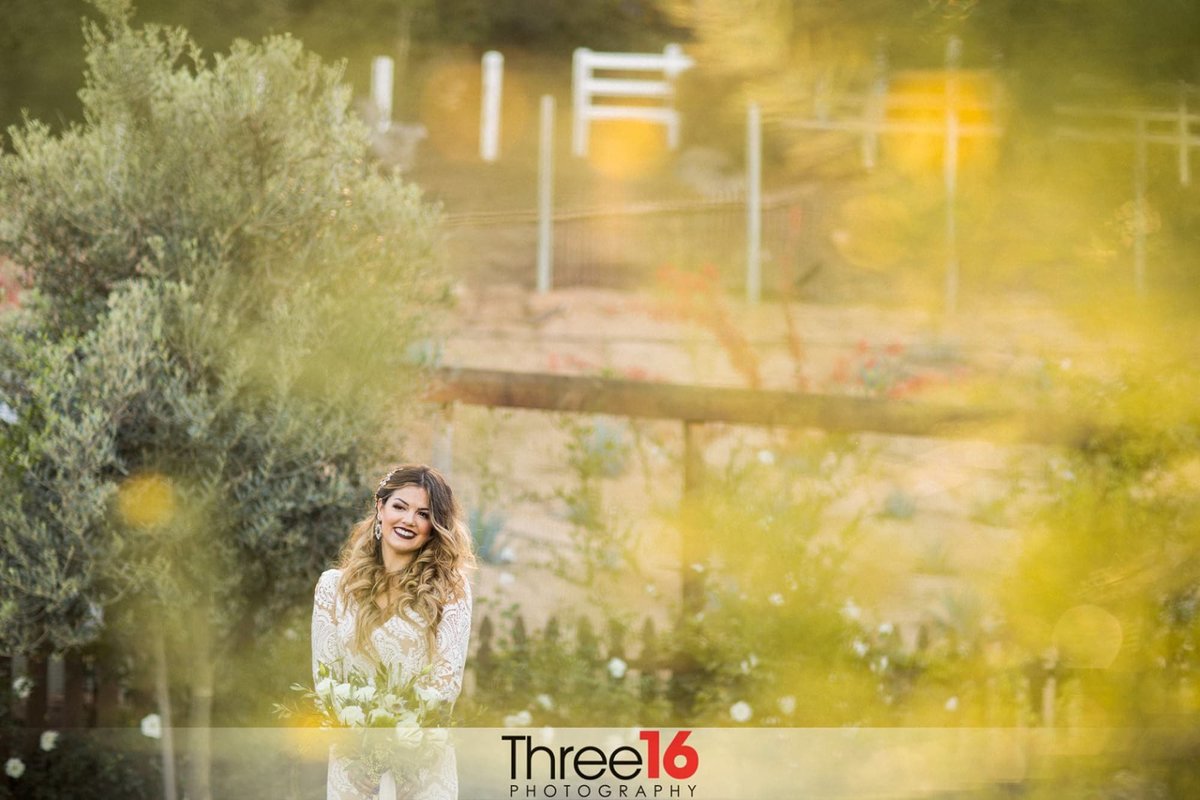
<point x="73" y="686"/>
<point x="162" y="694"/>
<point x="6" y="679"/>
<point x="200" y="712"/>
<point x="107" y="689"/>
<point x="36" y="702"/>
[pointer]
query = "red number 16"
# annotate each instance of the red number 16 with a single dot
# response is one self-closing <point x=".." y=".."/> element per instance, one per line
<point x="676" y="751"/>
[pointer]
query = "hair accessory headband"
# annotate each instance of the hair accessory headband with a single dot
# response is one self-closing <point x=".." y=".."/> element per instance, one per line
<point x="387" y="478"/>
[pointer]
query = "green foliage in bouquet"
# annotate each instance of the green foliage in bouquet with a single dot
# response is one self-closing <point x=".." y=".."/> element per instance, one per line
<point x="395" y="725"/>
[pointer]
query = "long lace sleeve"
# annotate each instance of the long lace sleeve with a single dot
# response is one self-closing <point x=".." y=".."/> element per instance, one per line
<point x="325" y="646"/>
<point x="453" y="635"/>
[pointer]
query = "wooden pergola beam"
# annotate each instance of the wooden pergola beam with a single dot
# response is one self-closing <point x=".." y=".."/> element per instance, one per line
<point x="701" y="404"/>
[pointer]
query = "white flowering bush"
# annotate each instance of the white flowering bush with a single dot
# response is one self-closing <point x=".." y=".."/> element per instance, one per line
<point x="79" y="765"/>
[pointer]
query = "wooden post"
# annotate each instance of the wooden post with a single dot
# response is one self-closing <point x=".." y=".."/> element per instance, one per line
<point x="545" y="246"/>
<point x="484" y="660"/>
<point x="36" y="704"/>
<point x="73" y="685"/>
<point x="648" y="663"/>
<point x="442" y="456"/>
<point x="694" y="551"/>
<point x="616" y="639"/>
<point x="107" y="689"/>
<point x="6" y="679"/>
<point x="684" y="684"/>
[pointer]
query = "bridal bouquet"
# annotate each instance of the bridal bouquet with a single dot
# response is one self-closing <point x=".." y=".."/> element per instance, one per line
<point x="397" y="726"/>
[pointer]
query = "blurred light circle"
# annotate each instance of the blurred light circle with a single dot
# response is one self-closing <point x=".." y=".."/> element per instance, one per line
<point x="146" y="500"/>
<point x="623" y="149"/>
<point x="449" y="108"/>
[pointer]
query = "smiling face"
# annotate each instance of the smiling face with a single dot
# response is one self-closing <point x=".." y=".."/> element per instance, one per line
<point x="406" y="525"/>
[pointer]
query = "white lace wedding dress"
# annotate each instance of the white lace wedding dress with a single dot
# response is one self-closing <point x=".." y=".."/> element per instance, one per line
<point x="400" y="643"/>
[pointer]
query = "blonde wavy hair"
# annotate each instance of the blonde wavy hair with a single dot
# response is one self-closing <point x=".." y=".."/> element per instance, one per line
<point x="429" y="583"/>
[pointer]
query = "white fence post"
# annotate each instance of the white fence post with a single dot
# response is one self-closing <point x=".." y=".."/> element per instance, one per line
<point x="383" y="70"/>
<point x="753" y="204"/>
<point x="875" y="109"/>
<point x="579" y="120"/>
<point x="1139" y="208"/>
<point x="585" y="87"/>
<point x="1167" y="126"/>
<point x="545" y="245"/>
<point x="950" y="170"/>
<point x="489" y="116"/>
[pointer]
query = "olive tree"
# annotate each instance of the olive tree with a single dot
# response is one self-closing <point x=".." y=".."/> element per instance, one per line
<point x="227" y="302"/>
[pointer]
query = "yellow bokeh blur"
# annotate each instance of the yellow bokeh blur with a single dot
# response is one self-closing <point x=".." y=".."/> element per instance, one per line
<point x="450" y="109"/>
<point x="923" y="97"/>
<point x="624" y="150"/>
<point x="1088" y="637"/>
<point x="146" y="500"/>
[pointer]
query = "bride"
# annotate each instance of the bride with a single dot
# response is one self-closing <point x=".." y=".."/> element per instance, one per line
<point x="399" y="600"/>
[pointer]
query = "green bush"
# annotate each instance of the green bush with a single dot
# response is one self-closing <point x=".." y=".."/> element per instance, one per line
<point x="225" y="296"/>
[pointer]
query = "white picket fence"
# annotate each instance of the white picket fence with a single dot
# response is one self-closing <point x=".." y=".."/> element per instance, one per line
<point x="587" y="88"/>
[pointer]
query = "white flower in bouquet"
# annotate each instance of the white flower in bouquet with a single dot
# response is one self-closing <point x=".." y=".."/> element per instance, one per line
<point x="428" y="695"/>
<point x="48" y="741"/>
<point x="343" y="692"/>
<point x="408" y="730"/>
<point x="352" y="716"/>
<point x="152" y="726"/>
<point x="325" y="687"/>
<point x="364" y="694"/>
<point x="14" y="768"/>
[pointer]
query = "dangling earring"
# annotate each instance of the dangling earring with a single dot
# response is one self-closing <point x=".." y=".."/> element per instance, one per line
<point x="378" y="529"/>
